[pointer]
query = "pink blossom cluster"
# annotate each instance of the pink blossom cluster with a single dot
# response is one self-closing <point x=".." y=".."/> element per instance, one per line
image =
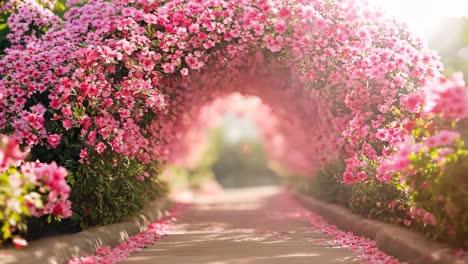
<point x="154" y="232"/>
<point x="431" y="142"/>
<point x="53" y="179"/>
<point x="421" y="215"/>
<point x="29" y="15"/>
<point x="444" y="99"/>
<point x="10" y="153"/>
<point x="448" y="97"/>
<point x="25" y="187"/>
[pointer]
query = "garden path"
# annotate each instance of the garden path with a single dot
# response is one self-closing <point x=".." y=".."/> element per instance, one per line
<point x="253" y="225"/>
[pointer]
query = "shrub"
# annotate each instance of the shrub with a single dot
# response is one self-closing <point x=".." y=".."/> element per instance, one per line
<point x="370" y="198"/>
<point x="382" y="201"/>
<point x="328" y="186"/>
<point x="112" y="187"/>
<point x="432" y="160"/>
<point x="438" y="187"/>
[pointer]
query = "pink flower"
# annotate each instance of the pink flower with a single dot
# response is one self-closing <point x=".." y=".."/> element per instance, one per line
<point x="429" y="218"/>
<point x="280" y="26"/>
<point x="448" y="97"/>
<point x="54" y="140"/>
<point x="362" y="176"/>
<point x="66" y="111"/>
<point x="192" y="62"/>
<point x="413" y="101"/>
<point x="194" y="28"/>
<point x="63" y="209"/>
<point x="348" y="178"/>
<point x="10" y="153"/>
<point x="140" y="178"/>
<point x="274" y="44"/>
<point x="35" y="121"/>
<point x="92" y="137"/>
<point x="148" y="65"/>
<point x="447" y="137"/>
<point x="55" y="103"/>
<point x="445" y="152"/>
<point x="100" y="147"/>
<point x="259" y="28"/>
<point x="67" y="123"/>
<point x="83" y="154"/>
<point x="168" y="67"/>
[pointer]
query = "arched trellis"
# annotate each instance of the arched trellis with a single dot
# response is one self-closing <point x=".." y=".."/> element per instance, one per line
<point x="125" y="72"/>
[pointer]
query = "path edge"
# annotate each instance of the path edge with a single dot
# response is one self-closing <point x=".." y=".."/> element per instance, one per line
<point x="404" y="244"/>
<point x="59" y="249"/>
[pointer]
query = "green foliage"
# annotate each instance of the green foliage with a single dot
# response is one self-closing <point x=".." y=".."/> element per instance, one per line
<point x="243" y="164"/>
<point x="65" y="154"/>
<point x="4" y="30"/>
<point x="107" y="189"/>
<point x="327" y="185"/>
<point x="60" y="7"/>
<point x="104" y="190"/>
<point x="382" y="201"/>
<point x="441" y="189"/>
<point x="453" y="186"/>
<point x="372" y="199"/>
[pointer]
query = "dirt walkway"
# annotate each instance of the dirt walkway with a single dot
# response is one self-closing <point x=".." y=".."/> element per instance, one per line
<point x="243" y="226"/>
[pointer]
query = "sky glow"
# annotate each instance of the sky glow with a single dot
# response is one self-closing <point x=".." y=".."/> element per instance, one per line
<point x="423" y="16"/>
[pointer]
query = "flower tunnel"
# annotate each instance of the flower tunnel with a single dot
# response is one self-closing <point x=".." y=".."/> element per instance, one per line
<point x="112" y="91"/>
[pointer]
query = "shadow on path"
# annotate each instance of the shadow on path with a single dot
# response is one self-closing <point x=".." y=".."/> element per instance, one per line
<point x="243" y="226"/>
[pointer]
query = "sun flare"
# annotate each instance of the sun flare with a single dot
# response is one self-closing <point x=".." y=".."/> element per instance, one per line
<point x="423" y="16"/>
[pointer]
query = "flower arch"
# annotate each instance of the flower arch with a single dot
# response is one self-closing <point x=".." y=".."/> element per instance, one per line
<point x="130" y="77"/>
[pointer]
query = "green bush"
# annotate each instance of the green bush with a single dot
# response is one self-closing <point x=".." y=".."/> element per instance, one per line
<point x="450" y="202"/>
<point x="327" y="184"/>
<point x="108" y="189"/>
<point x="440" y="189"/>
<point x="105" y="189"/>
<point x="371" y="199"/>
<point x="382" y="201"/>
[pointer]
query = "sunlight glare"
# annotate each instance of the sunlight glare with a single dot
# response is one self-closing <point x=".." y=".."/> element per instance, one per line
<point x="423" y="16"/>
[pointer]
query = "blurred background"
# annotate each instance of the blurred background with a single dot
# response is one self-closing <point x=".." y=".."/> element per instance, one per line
<point x="234" y="157"/>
